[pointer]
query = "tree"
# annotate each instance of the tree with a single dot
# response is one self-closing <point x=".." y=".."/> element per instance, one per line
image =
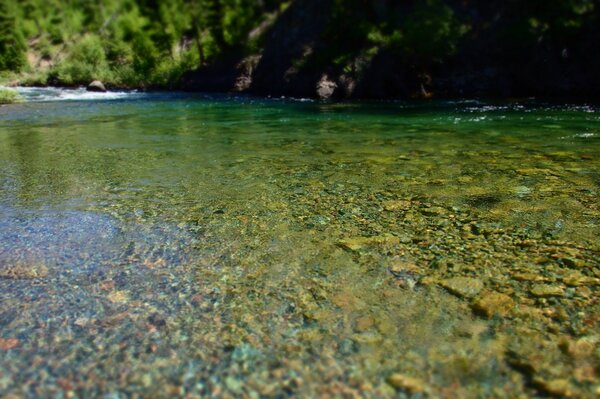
<point x="12" y="43"/>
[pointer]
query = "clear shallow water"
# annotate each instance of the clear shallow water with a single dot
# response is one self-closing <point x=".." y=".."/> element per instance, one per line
<point x="175" y="244"/>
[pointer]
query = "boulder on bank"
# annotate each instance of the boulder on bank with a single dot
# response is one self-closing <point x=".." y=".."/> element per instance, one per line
<point x="326" y="88"/>
<point x="96" y="86"/>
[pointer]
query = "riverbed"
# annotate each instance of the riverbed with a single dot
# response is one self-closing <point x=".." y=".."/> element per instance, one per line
<point x="190" y="245"/>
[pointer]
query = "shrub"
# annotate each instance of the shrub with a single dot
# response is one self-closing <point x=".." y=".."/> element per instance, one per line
<point x="12" y="43"/>
<point x="86" y="62"/>
<point x="8" y="96"/>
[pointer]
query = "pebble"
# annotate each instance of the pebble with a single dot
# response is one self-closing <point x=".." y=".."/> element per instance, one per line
<point x="547" y="290"/>
<point x="399" y="205"/>
<point x="575" y="278"/>
<point x="466" y="287"/>
<point x="557" y="387"/>
<point x="410" y="384"/>
<point x="8" y="343"/>
<point x="23" y="271"/>
<point x="493" y="303"/>
<point x="358" y="243"/>
<point x="117" y="296"/>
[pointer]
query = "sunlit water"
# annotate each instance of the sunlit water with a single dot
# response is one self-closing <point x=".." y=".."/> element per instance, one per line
<point x="164" y="245"/>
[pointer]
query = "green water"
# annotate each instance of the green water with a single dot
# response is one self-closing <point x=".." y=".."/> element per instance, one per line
<point x="168" y="245"/>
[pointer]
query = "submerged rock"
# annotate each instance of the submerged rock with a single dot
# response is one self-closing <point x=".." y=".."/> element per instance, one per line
<point x="547" y="290"/>
<point x="407" y="273"/>
<point x="118" y="296"/>
<point x="493" y="303"/>
<point x="23" y="271"/>
<point x="7" y="344"/>
<point x="557" y="387"/>
<point x="466" y="287"/>
<point x="410" y="384"/>
<point x="397" y="205"/>
<point x="96" y="86"/>
<point x="357" y="243"/>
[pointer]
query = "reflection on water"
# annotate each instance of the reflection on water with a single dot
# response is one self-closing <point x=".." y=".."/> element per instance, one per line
<point x="200" y="246"/>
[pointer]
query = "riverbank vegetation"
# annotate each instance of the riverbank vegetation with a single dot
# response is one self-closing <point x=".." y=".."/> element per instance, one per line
<point x="127" y="43"/>
<point x="390" y="47"/>
<point x="8" y="96"/>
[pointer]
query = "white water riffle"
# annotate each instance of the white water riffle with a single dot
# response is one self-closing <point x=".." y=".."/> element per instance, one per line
<point x="79" y="94"/>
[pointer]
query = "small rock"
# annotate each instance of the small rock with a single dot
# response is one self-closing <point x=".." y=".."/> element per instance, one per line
<point x="96" y="86"/>
<point x="547" y="290"/>
<point x="434" y="211"/>
<point x="528" y="277"/>
<point x="368" y="338"/>
<point x="23" y="271"/>
<point x="8" y="343"/>
<point x="117" y="296"/>
<point x="463" y="286"/>
<point x="81" y="321"/>
<point x="493" y="303"/>
<point x="364" y="323"/>
<point x="533" y="171"/>
<point x="406" y="272"/>
<point x="157" y="320"/>
<point x="572" y="262"/>
<point x="558" y="387"/>
<point x="576" y="279"/>
<point x="410" y="384"/>
<point x="357" y="243"/>
<point x="581" y="348"/>
<point x="400" y="205"/>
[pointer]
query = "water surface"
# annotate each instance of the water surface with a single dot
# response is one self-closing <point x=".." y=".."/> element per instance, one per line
<point x="160" y="245"/>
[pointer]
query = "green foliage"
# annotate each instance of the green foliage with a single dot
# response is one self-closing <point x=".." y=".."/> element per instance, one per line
<point x="8" y="96"/>
<point x="429" y="35"/>
<point x="86" y="62"/>
<point x="12" y="43"/>
<point x="145" y="43"/>
<point x="538" y="23"/>
<point x="423" y="33"/>
<point x="138" y="43"/>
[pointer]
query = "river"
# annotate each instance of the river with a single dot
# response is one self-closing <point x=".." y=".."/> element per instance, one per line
<point x="192" y="245"/>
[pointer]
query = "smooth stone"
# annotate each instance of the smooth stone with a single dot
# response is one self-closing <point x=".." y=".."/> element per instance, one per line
<point x="357" y="243"/>
<point x="326" y="88"/>
<point x="466" y="287"/>
<point x="410" y="384"/>
<point x="399" y="205"/>
<point x="558" y="387"/>
<point x="118" y="296"/>
<point x="576" y="279"/>
<point x="7" y="344"/>
<point x="23" y="271"/>
<point x="493" y="303"/>
<point x="547" y="290"/>
<point x="434" y="211"/>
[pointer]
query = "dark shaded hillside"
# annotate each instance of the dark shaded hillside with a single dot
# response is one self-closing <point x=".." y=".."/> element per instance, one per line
<point x="440" y="48"/>
<point x="308" y="48"/>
